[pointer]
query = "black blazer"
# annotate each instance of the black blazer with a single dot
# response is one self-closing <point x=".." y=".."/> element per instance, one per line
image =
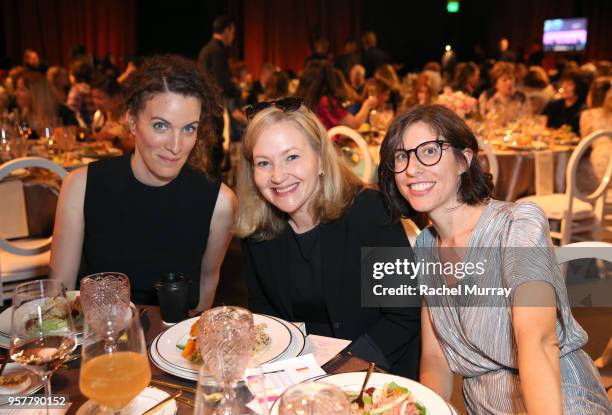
<point x="389" y="337"/>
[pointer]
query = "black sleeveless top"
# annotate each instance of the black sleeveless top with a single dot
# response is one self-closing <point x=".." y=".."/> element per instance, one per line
<point x="144" y="231"/>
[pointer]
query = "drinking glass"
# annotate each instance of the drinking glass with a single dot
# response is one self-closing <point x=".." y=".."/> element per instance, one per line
<point x="113" y="378"/>
<point x="105" y="299"/>
<point x="42" y="330"/>
<point x="314" y="398"/>
<point x="209" y="396"/>
<point x="226" y="343"/>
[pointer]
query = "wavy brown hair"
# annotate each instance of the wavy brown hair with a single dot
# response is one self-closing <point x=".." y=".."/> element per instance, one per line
<point x="475" y="186"/>
<point x="172" y="73"/>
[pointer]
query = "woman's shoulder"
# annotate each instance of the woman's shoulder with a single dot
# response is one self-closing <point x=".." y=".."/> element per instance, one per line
<point x="517" y="211"/>
<point x="368" y="200"/>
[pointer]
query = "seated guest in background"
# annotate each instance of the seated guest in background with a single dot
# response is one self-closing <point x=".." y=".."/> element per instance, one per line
<point x="277" y="86"/>
<point x="514" y="357"/>
<point x="257" y="88"/>
<point x="537" y="89"/>
<point x="502" y="99"/>
<point x="423" y="92"/>
<point x="387" y="74"/>
<point x="566" y="110"/>
<point x="598" y="116"/>
<point x="108" y="121"/>
<point x="38" y="104"/>
<point x="304" y="218"/>
<point x="466" y="77"/>
<point x="155" y="210"/>
<point x="58" y="77"/>
<point x="327" y="95"/>
<point x="79" y="97"/>
<point x="357" y="78"/>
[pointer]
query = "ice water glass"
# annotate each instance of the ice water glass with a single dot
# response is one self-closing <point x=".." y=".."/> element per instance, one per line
<point x="314" y="398"/>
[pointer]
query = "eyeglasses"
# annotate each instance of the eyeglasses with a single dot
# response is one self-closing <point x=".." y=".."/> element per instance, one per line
<point x="285" y="104"/>
<point x="428" y="153"/>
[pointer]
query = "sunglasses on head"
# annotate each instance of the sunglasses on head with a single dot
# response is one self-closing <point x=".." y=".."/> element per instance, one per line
<point x="285" y="104"/>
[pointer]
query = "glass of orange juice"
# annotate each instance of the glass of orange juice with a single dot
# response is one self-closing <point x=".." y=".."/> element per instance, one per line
<point x="115" y="367"/>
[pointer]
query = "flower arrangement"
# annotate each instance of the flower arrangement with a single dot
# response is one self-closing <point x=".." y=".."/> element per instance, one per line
<point x="460" y="103"/>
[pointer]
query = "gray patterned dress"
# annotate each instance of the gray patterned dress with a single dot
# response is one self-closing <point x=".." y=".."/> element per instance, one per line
<point x="477" y="338"/>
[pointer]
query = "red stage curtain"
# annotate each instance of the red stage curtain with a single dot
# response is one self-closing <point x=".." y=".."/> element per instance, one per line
<point x="54" y="27"/>
<point x="282" y="31"/>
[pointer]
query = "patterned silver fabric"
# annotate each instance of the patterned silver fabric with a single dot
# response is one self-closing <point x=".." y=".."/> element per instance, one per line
<point x="478" y="340"/>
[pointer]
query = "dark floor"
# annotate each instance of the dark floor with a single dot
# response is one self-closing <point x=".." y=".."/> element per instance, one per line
<point x="597" y="321"/>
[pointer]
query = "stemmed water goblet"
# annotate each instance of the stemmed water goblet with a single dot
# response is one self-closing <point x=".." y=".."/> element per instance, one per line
<point x="43" y="334"/>
<point x="113" y="376"/>
<point x="227" y="339"/>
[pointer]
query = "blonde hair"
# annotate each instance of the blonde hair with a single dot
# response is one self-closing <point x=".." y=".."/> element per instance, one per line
<point x="256" y="216"/>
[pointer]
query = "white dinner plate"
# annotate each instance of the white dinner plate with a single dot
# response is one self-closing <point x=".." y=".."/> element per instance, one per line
<point x="178" y="334"/>
<point x="145" y="400"/>
<point x="31" y="385"/>
<point x="352" y="381"/>
<point x="6" y="322"/>
<point x="296" y="347"/>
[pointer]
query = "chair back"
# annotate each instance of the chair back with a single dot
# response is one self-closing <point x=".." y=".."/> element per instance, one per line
<point x="572" y="169"/>
<point x="582" y="250"/>
<point x="491" y="159"/>
<point x="25" y="162"/>
<point x="366" y="174"/>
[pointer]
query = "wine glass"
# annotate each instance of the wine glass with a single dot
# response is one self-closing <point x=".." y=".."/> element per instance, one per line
<point x="227" y="338"/>
<point x="105" y="299"/>
<point x="314" y="398"/>
<point x="112" y="378"/>
<point x="43" y="333"/>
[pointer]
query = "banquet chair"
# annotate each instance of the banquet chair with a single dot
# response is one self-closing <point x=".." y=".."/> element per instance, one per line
<point x="491" y="159"/>
<point x="21" y="257"/>
<point x="365" y="167"/>
<point x="589" y="249"/>
<point x="580" y="216"/>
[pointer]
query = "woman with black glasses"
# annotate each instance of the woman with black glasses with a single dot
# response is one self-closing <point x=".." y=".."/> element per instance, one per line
<point x="508" y="329"/>
<point x="304" y="218"/>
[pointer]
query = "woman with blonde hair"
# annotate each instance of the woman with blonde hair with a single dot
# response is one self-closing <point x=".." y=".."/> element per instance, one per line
<point x="304" y="218"/>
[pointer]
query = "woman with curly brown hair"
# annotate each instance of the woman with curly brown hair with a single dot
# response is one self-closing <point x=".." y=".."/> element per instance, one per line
<point x="154" y="210"/>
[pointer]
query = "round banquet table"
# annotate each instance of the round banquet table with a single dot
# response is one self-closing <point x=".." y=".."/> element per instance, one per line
<point x="66" y="380"/>
<point x="516" y="176"/>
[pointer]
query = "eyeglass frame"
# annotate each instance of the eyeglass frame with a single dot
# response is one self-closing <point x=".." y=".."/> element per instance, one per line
<point x="439" y="141"/>
<point x="287" y="104"/>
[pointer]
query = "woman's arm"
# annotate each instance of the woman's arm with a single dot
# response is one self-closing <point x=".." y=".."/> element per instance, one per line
<point x="538" y="347"/>
<point x="435" y="372"/>
<point x="219" y="238"/>
<point x="355" y="121"/>
<point x="68" y="230"/>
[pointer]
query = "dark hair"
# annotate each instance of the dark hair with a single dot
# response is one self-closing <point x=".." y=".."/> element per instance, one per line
<point x="221" y="23"/>
<point x="476" y="186"/>
<point x="82" y="69"/>
<point x="463" y="72"/>
<point x="277" y="86"/>
<point x="107" y="84"/>
<point x="536" y="78"/>
<point x="327" y="81"/>
<point x="581" y="82"/>
<point x="172" y="73"/>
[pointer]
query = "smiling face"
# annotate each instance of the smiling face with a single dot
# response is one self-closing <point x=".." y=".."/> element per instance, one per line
<point x="429" y="188"/>
<point x="286" y="169"/>
<point x="166" y="132"/>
